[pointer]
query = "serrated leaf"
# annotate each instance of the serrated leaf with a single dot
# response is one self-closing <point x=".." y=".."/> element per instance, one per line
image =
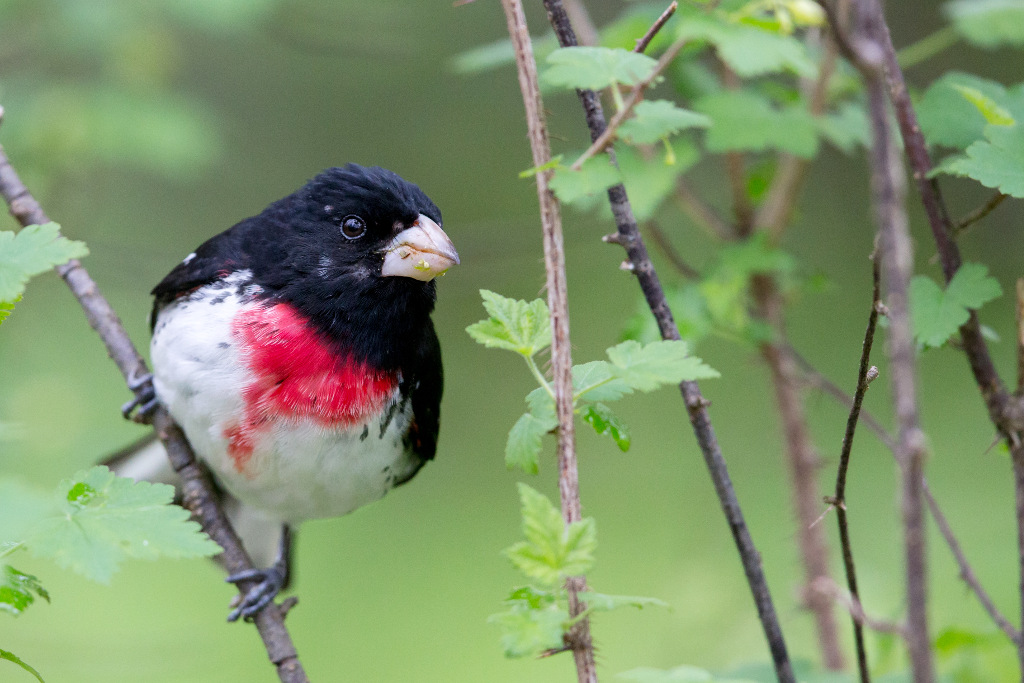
<point x="532" y="597"/>
<point x="106" y="519"/>
<point x="527" y="632"/>
<point x="11" y="657"/>
<point x="949" y="119"/>
<point x="22" y="507"/>
<point x="936" y="314"/>
<point x="605" y="422"/>
<point x="988" y="23"/>
<point x="744" y="120"/>
<point x="596" y="175"/>
<point x="514" y="325"/>
<point x="522" y="449"/>
<point x="750" y="51"/>
<point x="6" y="308"/>
<point x="653" y="120"/>
<point x="595" y="68"/>
<point x="680" y="674"/>
<point x="552" y="550"/>
<point x="993" y="113"/>
<point x="649" y="180"/>
<point x="33" y="250"/>
<point x="597" y="381"/>
<point x="997" y="161"/>
<point x="18" y="590"/>
<point x="657" y="364"/>
<point x="604" y="603"/>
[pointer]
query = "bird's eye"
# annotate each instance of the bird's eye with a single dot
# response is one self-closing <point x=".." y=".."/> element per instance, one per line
<point x="353" y="227"/>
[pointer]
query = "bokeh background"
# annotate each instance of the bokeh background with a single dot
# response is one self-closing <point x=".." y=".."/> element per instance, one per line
<point x="147" y="127"/>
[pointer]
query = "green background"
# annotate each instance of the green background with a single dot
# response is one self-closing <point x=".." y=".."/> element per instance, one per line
<point x="400" y="590"/>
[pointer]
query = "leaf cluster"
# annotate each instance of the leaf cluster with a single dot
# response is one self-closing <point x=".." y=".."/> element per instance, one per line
<point x="33" y="250"/>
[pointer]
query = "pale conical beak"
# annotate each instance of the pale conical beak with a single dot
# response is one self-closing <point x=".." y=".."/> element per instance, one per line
<point x="421" y="251"/>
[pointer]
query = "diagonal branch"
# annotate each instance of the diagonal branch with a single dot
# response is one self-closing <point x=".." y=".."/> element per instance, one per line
<point x="578" y="639"/>
<point x="642" y="43"/>
<point x="630" y="239"/>
<point x="199" y="495"/>
<point x="635" y="97"/>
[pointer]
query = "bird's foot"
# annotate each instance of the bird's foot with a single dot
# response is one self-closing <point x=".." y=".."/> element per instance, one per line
<point x="269" y="584"/>
<point x="140" y="409"/>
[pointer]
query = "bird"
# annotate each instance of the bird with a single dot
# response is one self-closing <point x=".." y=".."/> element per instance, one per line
<point x="296" y="351"/>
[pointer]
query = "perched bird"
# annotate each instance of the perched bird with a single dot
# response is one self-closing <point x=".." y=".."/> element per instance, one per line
<point x="297" y="353"/>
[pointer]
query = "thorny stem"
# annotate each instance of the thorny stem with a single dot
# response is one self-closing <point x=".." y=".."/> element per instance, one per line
<point x="642" y="43"/>
<point x="578" y="637"/>
<point x="630" y="239"/>
<point x="839" y="498"/>
<point x="199" y="495"/>
<point x="888" y="199"/>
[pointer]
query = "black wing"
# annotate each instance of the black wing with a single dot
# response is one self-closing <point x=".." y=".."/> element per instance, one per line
<point x="427" y="386"/>
<point x="215" y="259"/>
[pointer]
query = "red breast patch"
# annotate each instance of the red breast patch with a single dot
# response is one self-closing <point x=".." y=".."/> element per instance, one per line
<point x="296" y="375"/>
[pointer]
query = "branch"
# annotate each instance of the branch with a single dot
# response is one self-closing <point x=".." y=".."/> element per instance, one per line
<point x="864" y="377"/>
<point x="1020" y="337"/>
<point x="642" y="43"/>
<point x="671" y="253"/>
<point x="856" y="610"/>
<point x="888" y="200"/>
<point x="578" y="639"/>
<point x="630" y="239"/>
<point x="702" y="214"/>
<point x="818" y="380"/>
<point x="199" y="495"/>
<point x="635" y="96"/>
<point x="981" y="212"/>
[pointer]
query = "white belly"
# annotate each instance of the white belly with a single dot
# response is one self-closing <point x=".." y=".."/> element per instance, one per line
<point x="298" y="468"/>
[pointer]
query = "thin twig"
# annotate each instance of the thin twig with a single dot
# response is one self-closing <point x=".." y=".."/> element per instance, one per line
<point x="199" y="495"/>
<point x="815" y="378"/>
<point x="852" y="604"/>
<point x="803" y="463"/>
<point x="578" y="638"/>
<point x="635" y="97"/>
<point x="658" y="236"/>
<point x="981" y="212"/>
<point x="642" y="43"/>
<point x="630" y="239"/>
<point x="839" y="499"/>
<point x="966" y="571"/>
<point x="888" y="200"/>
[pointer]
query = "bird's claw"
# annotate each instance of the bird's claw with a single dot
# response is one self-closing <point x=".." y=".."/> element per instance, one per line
<point x="270" y="581"/>
<point x="140" y="408"/>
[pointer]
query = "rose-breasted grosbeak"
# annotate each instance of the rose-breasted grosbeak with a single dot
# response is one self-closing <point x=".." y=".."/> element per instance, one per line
<point x="297" y="352"/>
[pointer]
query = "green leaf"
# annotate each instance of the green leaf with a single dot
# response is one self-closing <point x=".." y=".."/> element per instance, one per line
<point x="554" y="162"/>
<point x="6" y="308"/>
<point x="595" y="176"/>
<point x="21" y="506"/>
<point x="552" y="550"/>
<point x="105" y="519"/>
<point x="989" y="23"/>
<point x="846" y="128"/>
<point x="604" y="421"/>
<point x="514" y="325"/>
<point x="499" y="53"/>
<point x="17" y="588"/>
<point x="596" y="381"/>
<point x="993" y="113"/>
<point x="937" y="314"/>
<point x="595" y="68"/>
<point x="34" y="250"/>
<point x="653" y="120"/>
<point x="744" y="120"/>
<point x="527" y="632"/>
<point x="605" y="603"/>
<point x="649" y="180"/>
<point x="749" y="50"/>
<point x="997" y="161"/>
<point x="950" y="119"/>
<point x="680" y="674"/>
<point x="524" y="443"/>
<point x="657" y="364"/>
<point x="11" y="657"/>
